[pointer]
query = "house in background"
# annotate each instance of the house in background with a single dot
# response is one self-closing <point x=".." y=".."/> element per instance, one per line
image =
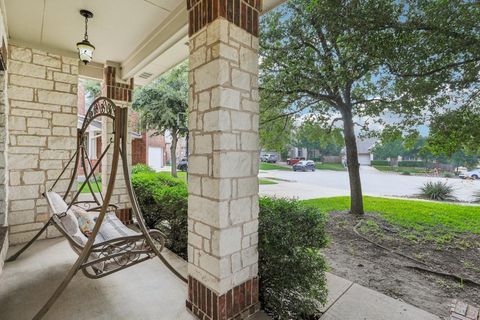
<point x="364" y="150"/>
<point x="147" y="147"/>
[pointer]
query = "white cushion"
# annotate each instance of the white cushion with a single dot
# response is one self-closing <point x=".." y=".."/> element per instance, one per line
<point x="113" y="228"/>
<point x="56" y="202"/>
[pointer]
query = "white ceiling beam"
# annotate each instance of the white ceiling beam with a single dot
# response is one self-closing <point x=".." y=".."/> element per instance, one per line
<point x="160" y="40"/>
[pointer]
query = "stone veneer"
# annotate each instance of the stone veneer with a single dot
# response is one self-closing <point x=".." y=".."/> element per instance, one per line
<point x="3" y="167"/>
<point x="223" y="168"/>
<point x="121" y="95"/>
<point x="42" y="129"/>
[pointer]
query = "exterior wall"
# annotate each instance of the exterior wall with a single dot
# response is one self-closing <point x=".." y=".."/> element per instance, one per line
<point x="42" y="128"/>
<point x="3" y="165"/>
<point x="223" y="164"/>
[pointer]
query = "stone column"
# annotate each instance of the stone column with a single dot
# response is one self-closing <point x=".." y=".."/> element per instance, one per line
<point x="121" y="94"/>
<point x="223" y="164"/>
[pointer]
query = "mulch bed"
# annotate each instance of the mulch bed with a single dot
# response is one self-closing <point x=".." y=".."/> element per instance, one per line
<point x="352" y="257"/>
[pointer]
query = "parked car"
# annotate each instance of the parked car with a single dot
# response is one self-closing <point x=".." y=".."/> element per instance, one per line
<point x="304" y="165"/>
<point x="472" y="174"/>
<point x="182" y="165"/>
<point x="269" y="157"/>
<point x="292" y="161"/>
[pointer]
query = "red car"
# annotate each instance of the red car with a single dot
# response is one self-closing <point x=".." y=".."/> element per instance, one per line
<point x="292" y="161"/>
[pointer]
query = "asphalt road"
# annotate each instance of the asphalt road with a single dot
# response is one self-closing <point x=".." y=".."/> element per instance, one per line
<point x="326" y="183"/>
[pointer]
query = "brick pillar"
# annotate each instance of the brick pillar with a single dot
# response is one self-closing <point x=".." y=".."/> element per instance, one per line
<point x="121" y="94"/>
<point x="223" y="164"/>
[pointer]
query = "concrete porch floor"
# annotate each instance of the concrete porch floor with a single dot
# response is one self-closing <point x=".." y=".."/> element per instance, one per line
<point x="145" y="291"/>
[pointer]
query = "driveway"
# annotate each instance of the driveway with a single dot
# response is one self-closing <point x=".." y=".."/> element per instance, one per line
<point x="326" y="183"/>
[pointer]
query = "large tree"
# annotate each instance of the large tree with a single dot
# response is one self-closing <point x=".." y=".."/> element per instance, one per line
<point x="163" y="106"/>
<point x="340" y="60"/>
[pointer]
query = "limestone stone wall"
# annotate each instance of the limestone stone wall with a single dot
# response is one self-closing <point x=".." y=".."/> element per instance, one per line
<point x="42" y="125"/>
<point x="223" y="165"/>
<point x="3" y="168"/>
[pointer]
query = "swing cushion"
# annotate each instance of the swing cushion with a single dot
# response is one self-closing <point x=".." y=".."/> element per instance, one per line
<point x="111" y="227"/>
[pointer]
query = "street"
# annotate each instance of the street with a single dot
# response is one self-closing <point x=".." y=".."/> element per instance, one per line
<point x="326" y="183"/>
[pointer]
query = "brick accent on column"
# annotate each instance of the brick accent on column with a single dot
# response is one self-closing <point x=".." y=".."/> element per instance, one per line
<point x="113" y="89"/>
<point x="243" y="13"/>
<point x="121" y="94"/>
<point x="223" y="163"/>
<point x="239" y="302"/>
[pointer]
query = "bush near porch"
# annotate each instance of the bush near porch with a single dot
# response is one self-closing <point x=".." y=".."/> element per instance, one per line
<point x="163" y="201"/>
<point x="291" y="268"/>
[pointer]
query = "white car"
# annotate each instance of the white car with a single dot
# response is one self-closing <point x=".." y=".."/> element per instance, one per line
<point x="472" y="174"/>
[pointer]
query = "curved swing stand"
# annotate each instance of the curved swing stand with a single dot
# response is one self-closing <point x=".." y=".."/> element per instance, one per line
<point x="99" y="257"/>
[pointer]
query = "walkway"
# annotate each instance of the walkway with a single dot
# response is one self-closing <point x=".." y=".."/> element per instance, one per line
<point x="350" y="301"/>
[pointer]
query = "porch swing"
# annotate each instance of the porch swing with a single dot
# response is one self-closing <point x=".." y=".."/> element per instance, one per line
<point x="110" y="246"/>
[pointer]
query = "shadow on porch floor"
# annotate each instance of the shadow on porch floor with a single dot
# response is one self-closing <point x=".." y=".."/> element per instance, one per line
<point x="145" y="291"/>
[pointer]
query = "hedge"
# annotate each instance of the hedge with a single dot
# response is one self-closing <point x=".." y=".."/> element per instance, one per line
<point x="163" y="201"/>
<point x="291" y="268"/>
<point x="412" y="164"/>
<point x="380" y="163"/>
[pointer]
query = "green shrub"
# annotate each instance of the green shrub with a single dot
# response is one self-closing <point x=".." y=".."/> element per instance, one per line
<point x="173" y="210"/>
<point x="163" y="201"/>
<point x="291" y="268"/>
<point x="437" y="191"/>
<point x="448" y="175"/>
<point x="406" y="173"/>
<point x="380" y="163"/>
<point x="141" y="167"/>
<point x="413" y="164"/>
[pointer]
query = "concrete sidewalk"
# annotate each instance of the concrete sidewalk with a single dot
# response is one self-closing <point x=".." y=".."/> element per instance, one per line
<point x="350" y="301"/>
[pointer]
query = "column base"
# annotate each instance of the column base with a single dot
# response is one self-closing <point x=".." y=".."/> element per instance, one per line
<point x="239" y="302"/>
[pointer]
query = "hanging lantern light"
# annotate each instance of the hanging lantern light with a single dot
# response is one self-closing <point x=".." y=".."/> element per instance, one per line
<point x="85" y="48"/>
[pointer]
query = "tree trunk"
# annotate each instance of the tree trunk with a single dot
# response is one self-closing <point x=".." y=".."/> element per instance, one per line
<point x="173" y="153"/>
<point x="356" y="200"/>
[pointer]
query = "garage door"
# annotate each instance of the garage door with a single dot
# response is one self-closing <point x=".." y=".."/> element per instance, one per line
<point x="364" y="159"/>
<point x="155" y="158"/>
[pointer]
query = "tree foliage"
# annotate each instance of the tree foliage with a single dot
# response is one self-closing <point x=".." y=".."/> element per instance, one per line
<point x="455" y="130"/>
<point x="313" y="136"/>
<point x="163" y="105"/>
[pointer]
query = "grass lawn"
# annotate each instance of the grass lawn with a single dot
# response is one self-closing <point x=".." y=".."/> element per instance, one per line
<point x="266" y="181"/>
<point x="429" y="220"/>
<point x="86" y="189"/>
<point x="330" y="166"/>
<point x="272" y="166"/>
<point x="401" y="169"/>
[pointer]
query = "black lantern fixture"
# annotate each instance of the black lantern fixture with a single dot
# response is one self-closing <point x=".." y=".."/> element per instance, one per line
<point x="85" y="48"/>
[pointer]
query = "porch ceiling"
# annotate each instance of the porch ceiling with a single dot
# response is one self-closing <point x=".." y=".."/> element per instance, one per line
<point x="147" y="37"/>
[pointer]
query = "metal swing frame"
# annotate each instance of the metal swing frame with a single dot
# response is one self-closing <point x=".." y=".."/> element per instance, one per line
<point x="119" y="253"/>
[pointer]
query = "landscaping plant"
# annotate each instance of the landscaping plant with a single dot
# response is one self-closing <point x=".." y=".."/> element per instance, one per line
<point x="437" y="191"/>
<point x="163" y="201"/>
<point x="141" y="167"/>
<point x="291" y="268"/>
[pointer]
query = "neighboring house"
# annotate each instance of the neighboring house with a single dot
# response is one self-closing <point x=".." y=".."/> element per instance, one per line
<point x="364" y="150"/>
